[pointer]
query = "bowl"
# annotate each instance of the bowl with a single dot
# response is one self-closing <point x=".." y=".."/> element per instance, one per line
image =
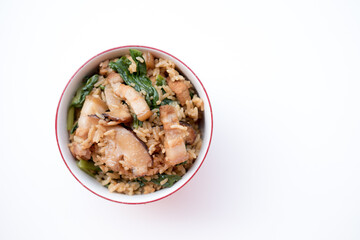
<point x="62" y="136"/>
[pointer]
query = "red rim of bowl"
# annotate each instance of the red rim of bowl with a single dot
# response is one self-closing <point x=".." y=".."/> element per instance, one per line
<point x="130" y="46"/>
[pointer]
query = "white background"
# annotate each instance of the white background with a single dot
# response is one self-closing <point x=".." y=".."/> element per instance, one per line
<point x="283" y="79"/>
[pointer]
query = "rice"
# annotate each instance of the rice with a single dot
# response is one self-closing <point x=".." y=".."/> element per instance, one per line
<point x="150" y="132"/>
<point x="132" y="67"/>
<point x="101" y="81"/>
<point x="140" y="59"/>
<point x="164" y="181"/>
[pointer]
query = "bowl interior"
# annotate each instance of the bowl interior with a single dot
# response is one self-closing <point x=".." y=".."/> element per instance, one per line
<point x="62" y="134"/>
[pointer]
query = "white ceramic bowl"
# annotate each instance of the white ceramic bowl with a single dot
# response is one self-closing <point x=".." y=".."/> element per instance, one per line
<point x="62" y="135"/>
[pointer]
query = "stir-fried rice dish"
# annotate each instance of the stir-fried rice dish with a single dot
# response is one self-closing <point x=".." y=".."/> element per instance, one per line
<point x="134" y="124"/>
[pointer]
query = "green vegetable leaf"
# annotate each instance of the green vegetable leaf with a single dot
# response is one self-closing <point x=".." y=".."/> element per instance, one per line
<point x="121" y="66"/>
<point x="136" y="122"/>
<point x="167" y="101"/>
<point x="141" y="181"/>
<point x="138" y="80"/>
<point x="140" y="66"/>
<point x="73" y="129"/>
<point x="76" y="99"/>
<point x="102" y="87"/>
<point x="192" y="93"/>
<point x="88" y="167"/>
<point x="172" y="179"/>
<point x="160" y="81"/>
<point x="183" y="163"/>
<point x="82" y="92"/>
<point x="70" y="118"/>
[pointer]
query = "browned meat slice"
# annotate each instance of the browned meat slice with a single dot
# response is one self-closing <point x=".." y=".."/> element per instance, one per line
<point x="190" y="138"/>
<point x="123" y="148"/>
<point x="149" y="60"/>
<point x="118" y="111"/>
<point x="135" y="100"/>
<point x="115" y="80"/>
<point x="92" y="105"/>
<point x="180" y="89"/>
<point x="174" y="143"/>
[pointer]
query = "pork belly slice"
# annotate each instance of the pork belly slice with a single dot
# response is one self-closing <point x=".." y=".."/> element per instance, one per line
<point x="133" y="98"/>
<point x="180" y="89"/>
<point x="174" y="142"/>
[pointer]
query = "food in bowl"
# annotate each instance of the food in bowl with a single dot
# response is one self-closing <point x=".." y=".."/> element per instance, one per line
<point x="134" y="124"/>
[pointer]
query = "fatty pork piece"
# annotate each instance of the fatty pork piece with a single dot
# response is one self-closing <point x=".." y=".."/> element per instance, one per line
<point x="136" y="101"/>
<point x="115" y="80"/>
<point x="149" y="60"/>
<point x="174" y="142"/>
<point x="180" y="89"/>
<point x="92" y="105"/>
<point x="122" y="148"/>
<point x="119" y="112"/>
<point x="133" y="98"/>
